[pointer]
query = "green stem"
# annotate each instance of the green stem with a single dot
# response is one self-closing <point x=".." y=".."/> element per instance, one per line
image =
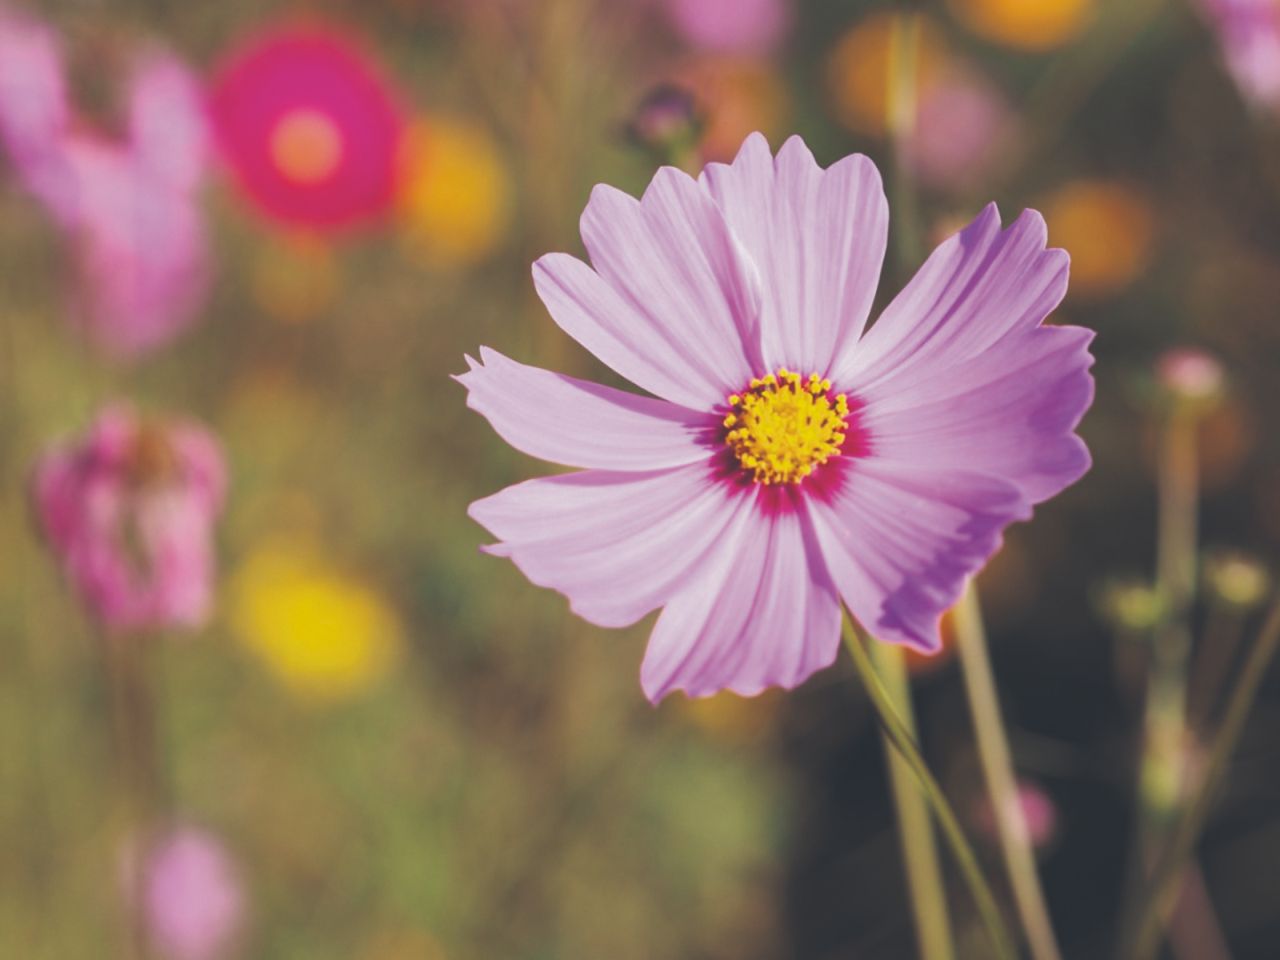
<point x="1166" y="880"/>
<point x="915" y="829"/>
<point x="899" y="735"/>
<point x="904" y="53"/>
<point x="1002" y="787"/>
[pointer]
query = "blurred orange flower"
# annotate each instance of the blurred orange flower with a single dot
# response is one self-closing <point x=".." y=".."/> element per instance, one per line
<point x="1109" y="230"/>
<point x="1025" y="24"/>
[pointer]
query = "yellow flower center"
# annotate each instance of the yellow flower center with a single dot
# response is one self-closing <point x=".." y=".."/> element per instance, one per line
<point x="783" y="426"/>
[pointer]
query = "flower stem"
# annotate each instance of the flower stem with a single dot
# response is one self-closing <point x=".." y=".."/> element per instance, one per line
<point x="900" y="110"/>
<point x="1166" y="879"/>
<point x="997" y="770"/>
<point x="915" y="829"/>
<point x="898" y="734"/>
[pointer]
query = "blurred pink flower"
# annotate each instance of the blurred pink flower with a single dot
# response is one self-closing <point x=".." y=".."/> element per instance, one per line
<point x="1249" y="33"/>
<point x="309" y="127"/>
<point x="1039" y="813"/>
<point x="129" y="509"/>
<point x="960" y="121"/>
<point x="192" y="903"/>
<point x="730" y="26"/>
<point x="127" y="206"/>
<point x="790" y="459"/>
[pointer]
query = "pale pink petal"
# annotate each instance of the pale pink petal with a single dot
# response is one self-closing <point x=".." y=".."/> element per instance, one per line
<point x="760" y="610"/>
<point x="140" y="249"/>
<point x="34" y="112"/>
<point x="818" y="237"/>
<point x="674" y="302"/>
<point x="900" y="542"/>
<point x="978" y="287"/>
<point x="168" y="126"/>
<point x="582" y="424"/>
<point x="1008" y="412"/>
<point x="616" y="544"/>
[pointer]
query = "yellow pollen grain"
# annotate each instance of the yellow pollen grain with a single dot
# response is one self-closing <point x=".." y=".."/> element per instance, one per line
<point x="785" y="426"/>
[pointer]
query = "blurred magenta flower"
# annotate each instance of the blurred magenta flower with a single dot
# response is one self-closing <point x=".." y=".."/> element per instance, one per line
<point x="126" y="205"/>
<point x="790" y="460"/>
<point x="129" y="509"/>
<point x="1249" y="34"/>
<point x="309" y="127"/>
<point x="960" y="122"/>
<point x="192" y="902"/>
<point x="730" y="26"/>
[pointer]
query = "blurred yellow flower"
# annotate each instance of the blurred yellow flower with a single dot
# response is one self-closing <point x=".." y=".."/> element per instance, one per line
<point x="1108" y="229"/>
<point x="858" y="70"/>
<point x="1025" y="24"/>
<point x="325" y="636"/>
<point x="456" y="200"/>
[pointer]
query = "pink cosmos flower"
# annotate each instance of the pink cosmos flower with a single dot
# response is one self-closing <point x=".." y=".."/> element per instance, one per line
<point x="730" y="26"/>
<point x="127" y="206"/>
<point x="1249" y="33"/>
<point x="308" y="126"/>
<point x="789" y="459"/>
<point x="191" y="899"/>
<point x="959" y="125"/>
<point x="129" y="509"/>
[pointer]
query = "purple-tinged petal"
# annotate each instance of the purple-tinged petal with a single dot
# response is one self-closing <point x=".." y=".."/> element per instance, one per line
<point x="901" y="542"/>
<point x="582" y="424"/>
<point x="168" y="123"/>
<point x="594" y="314"/>
<point x="672" y="259"/>
<point x="979" y="286"/>
<point x="760" y="610"/>
<point x="1006" y="413"/>
<point x="616" y="544"/>
<point x="818" y="237"/>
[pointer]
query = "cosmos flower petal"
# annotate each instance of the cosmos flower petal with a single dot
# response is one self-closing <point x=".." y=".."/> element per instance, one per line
<point x="976" y="288"/>
<point x="168" y="129"/>
<point x="582" y="424"/>
<point x="759" y="611"/>
<point x="616" y="544"/>
<point x="900" y="543"/>
<point x="1009" y="413"/>
<point x="818" y="237"/>
<point x="596" y="315"/>
<point x="674" y="260"/>
<point x="33" y="96"/>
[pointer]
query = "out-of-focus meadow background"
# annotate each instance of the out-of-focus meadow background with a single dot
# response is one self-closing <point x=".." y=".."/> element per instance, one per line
<point x="397" y="747"/>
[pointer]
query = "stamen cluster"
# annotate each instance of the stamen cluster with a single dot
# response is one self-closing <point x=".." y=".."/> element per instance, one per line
<point x="783" y="426"/>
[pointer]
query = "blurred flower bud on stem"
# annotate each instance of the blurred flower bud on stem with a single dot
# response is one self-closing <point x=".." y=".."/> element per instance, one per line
<point x="129" y="510"/>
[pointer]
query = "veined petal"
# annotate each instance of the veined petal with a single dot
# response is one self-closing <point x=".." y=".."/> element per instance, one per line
<point x="672" y="258"/>
<point x="977" y="287"/>
<point x="582" y="424"/>
<point x="596" y="315"/>
<point x="760" y="610"/>
<point x="900" y="543"/>
<point x="1007" y="413"/>
<point x="818" y="237"/>
<point x="616" y="544"/>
